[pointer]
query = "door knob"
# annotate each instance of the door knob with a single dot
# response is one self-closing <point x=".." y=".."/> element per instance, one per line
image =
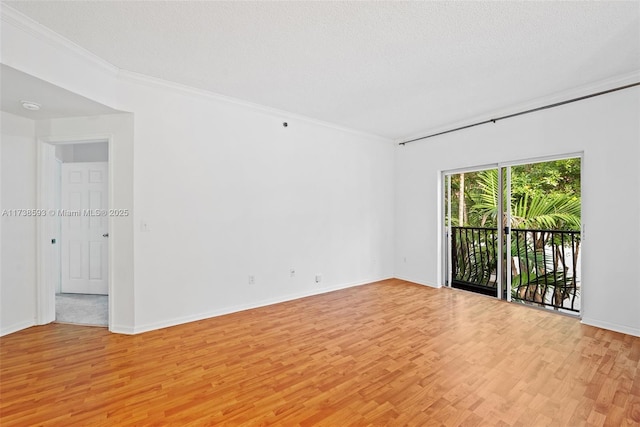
<point x="105" y="235"/>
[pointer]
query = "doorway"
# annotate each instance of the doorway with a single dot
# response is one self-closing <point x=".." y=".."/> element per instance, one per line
<point x="513" y="231"/>
<point x="75" y="266"/>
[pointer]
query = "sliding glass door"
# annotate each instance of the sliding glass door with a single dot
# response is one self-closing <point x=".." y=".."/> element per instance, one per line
<point x="513" y="232"/>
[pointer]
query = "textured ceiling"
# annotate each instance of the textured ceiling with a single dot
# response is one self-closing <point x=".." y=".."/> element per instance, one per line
<point x="389" y="68"/>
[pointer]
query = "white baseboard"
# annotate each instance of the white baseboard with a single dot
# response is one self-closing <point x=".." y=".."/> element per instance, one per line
<point x="418" y="282"/>
<point x="124" y="330"/>
<point x="6" y="330"/>
<point x="629" y="330"/>
<point x="234" y="309"/>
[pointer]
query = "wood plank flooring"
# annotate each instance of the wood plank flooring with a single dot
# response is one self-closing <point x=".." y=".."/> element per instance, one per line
<point x="389" y="353"/>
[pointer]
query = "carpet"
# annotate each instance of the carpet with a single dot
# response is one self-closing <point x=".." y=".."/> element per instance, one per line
<point x="82" y="309"/>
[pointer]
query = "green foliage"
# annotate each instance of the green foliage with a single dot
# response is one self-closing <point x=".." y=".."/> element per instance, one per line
<point x="552" y="212"/>
<point x="474" y="257"/>
<point x="543" y="195"/>
<point x="555" y="177"/>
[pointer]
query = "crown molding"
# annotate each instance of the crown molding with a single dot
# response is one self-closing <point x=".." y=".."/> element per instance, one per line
<point x="155" y="82"/>
<point x="575" y="92"/>
<point x="34" y="28"/>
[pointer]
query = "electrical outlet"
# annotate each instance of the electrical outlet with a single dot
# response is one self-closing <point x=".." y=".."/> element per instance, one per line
<point x="292" y="272"/>
<point x="318" y="278"/>
<point x="252" y="280"/>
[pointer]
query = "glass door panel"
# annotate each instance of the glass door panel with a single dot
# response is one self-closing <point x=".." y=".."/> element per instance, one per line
<point x="471" y="231"/>
<point x="513" y="232"/>
<point x="544" y="265"/>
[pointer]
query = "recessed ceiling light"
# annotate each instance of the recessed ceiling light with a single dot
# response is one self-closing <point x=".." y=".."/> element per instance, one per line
<point x="28" y="105"/>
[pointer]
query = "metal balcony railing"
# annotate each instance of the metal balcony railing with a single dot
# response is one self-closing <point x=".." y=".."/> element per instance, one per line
<point x="544" y="265"/>
<point x="474" y="259"/>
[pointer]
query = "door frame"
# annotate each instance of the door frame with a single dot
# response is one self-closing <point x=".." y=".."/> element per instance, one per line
<point x="45" y="283"/>
<point x="444" y="237"/>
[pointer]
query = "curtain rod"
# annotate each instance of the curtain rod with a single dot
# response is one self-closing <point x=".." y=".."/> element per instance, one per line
<point x="533" y="110"/>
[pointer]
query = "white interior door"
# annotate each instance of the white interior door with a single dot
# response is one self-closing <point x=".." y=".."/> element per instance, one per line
<point x="84" y="230"/>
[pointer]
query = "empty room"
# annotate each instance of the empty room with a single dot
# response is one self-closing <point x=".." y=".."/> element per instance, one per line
<point x="333" y="213"/>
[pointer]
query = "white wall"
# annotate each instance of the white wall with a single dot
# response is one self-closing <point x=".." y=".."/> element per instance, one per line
<point x="228" y="192"/>
<point x="118" y="127"/>
<point x="607" y="130"/>
<point x="18" y="253"/>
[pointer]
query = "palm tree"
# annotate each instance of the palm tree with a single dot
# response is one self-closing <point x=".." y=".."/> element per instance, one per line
<point x="549" y="212"/>
<point x="536" y="213"/>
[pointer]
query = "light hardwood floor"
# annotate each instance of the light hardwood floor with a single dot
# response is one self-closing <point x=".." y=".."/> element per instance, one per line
<point x="388" y="353"/>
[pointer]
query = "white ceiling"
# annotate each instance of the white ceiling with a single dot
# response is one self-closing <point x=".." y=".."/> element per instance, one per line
<point x="16" y="86"/>
<point x="390" y="68"/>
